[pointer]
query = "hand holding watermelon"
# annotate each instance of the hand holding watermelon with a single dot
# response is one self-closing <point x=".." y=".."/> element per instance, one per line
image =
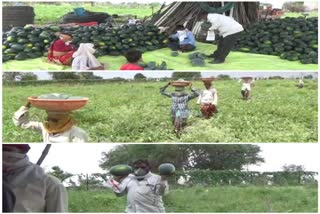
<point x="119" y="178"/>
<point x="164" y="177"/>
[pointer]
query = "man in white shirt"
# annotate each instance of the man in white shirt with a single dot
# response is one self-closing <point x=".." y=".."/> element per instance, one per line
<point x="208" y="99"/>
<point x="144" y="189"/>
<point x="229" y="30"/>
<point x="34" y="190"/>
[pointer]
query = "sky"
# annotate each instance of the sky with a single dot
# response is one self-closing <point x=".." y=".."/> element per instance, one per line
<point x="84" y="158"/>
<point x="156" y="74"/>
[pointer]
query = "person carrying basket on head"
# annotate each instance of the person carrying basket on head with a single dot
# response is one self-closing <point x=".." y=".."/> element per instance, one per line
<point x="180" y="99"/>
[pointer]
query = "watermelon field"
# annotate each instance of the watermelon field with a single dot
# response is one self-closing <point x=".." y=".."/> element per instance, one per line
<point x="137" y="112"/>
<point x="209" y="199"/>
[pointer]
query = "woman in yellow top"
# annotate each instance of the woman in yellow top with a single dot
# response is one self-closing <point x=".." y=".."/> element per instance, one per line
<point x="59" y="128"/>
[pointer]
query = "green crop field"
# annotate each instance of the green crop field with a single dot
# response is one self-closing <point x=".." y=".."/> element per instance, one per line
<point x="208" y="199"/>
<point x="52" y="13"/>
<point x="137" y="112"/>
<point x="295" y="14"/>
<point x="235" y="61"/>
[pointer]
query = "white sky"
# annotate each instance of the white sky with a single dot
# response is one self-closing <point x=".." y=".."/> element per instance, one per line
<point x="84" y="158"/>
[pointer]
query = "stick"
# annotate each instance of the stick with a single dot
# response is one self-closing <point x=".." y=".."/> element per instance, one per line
<point x="44" y="154"/>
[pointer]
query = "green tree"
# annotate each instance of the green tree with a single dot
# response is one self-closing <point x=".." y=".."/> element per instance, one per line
<point x="88" y="76"/>
<point x="186" y="75"/>
<point x="215" y="157"/>
<point x="294" y="6"/>
<point x="87" y="181"/>
<point x="293" y="173"/>
<point x="139" y="76"/>
<point x="60" y="174"/>
<point x="64" y="75"/>
<point x="224" y="77"/>
<point x="223" y="157"/>
<point x="308" y="76"/>
<point x="293" y="168"/>
<point x="29" y="76"/>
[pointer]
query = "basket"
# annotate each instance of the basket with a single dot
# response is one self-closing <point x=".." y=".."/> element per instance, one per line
<point x="180" y="83"/>
<point x="208" y="79"/>
<point x="58" y="105"/>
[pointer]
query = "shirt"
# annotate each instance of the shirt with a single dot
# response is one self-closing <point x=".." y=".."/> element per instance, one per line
<point x="246" y="86"/>
<point x="224" y="24"/>
<point x="75" y="134"/>
<point x="208" y="96"/>
<point x="142" y="195"/>
<point x="179" y="102"/>
<point x="189" y="39"/>
<point x="131" y="66"/>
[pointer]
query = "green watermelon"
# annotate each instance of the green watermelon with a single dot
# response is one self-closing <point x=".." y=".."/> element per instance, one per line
<point x="55" y="28"/>
<point x="120" y="170"/>
<point x="28" y="28"/>
<point x="54" y="96"/>
<point x="167" y="169"/>
<point x="21" y="56"/>
<point x="17" y="47"/>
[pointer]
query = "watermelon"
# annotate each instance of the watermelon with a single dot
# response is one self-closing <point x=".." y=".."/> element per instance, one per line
<point x="21" y="56"/>
<point x="121" y="170"/>
<point x="167" y="169"/>
<point x="55" y="28"/>
<point x="54" y="96"/>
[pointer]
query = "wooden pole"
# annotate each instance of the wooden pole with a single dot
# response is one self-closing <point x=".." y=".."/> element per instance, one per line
<point x="87" y="182"/>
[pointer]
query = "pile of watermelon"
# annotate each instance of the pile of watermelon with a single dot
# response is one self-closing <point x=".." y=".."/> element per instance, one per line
<point x="57" y="96"/>
<point x="21" y="43"/>
<point x="290" y="38"/>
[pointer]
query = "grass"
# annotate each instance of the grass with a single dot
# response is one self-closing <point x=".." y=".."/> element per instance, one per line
<point x="137" y="112"/>
<point x="52" y="13"/>
<point x="295" y="14"/>
<point x="209" y="199"/>
<point x="235" y="61"/>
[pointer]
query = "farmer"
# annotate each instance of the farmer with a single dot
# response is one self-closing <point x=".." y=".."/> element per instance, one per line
<point x="144" y="189"/>
<point x="246" y="87"/>
<point x="133" y="58"/>
<point x="180" y="99"/>
<point x="84" y="58"/>
<point x="183" y="40"/>
<point x="229" y="30"/>
<point x="61" y="51"/>
<point x="59" y="127"/>
<point x="301" y="83"/>
<point x="35" y="191"/>
<point x="208" y="100"/>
